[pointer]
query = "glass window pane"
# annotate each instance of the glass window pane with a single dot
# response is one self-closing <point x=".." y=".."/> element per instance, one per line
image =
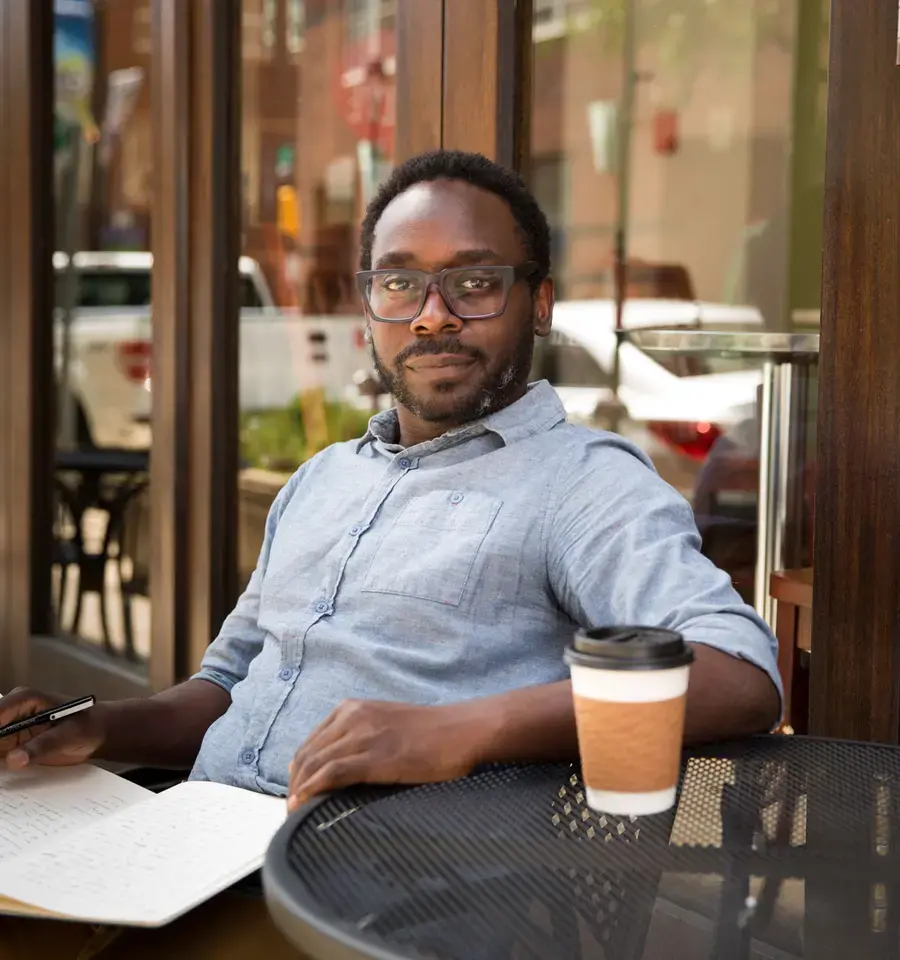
<point x="685" y="140"/>
<point x="318" y="138"/>
<point x="102" y="325"/>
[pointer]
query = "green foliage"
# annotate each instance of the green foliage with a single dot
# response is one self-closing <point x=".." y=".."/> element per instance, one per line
<point x="276" y="439"/>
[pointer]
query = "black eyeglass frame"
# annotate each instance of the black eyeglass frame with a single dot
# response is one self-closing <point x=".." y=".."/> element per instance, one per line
<point x="510" y="274"/>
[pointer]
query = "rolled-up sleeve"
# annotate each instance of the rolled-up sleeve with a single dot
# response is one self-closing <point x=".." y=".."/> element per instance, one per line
<point x="228" y="657"/>
<point x="623" y="548"/>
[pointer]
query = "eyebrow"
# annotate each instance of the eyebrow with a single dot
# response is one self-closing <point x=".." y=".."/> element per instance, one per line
<point x="461" y="258"/>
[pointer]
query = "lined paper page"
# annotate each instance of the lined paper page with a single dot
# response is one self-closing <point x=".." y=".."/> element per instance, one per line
<point x="151" y="862"/>
<point x="38" y="803"/>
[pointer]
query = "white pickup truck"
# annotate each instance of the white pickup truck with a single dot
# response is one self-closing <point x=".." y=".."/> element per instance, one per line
<point x="110" y="343"/>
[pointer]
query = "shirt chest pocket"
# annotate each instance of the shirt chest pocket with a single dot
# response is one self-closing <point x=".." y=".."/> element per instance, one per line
<point x="430" y="549"/>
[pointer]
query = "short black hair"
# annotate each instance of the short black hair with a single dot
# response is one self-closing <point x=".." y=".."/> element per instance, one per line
<point x="480" y="172"/>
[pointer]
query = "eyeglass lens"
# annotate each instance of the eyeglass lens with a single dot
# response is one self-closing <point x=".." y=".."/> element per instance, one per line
<point x="470" y="292"/>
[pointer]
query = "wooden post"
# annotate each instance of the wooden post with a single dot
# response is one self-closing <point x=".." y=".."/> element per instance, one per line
<point x="855" y="683"/>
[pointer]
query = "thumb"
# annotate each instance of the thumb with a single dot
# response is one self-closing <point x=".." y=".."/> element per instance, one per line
<point x="57" y="745"/>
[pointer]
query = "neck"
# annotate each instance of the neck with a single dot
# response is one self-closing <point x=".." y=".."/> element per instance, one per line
<point x="414" y="430"/>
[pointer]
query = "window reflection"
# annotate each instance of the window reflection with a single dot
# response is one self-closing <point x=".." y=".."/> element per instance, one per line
<point x="706" y="119"/>
<point x="102" y="325"/>
<point x="318" y="137"/>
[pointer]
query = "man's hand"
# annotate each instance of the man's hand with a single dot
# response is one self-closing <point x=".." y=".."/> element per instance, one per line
<point x="64" y="744"/>
<point x="373" y="742"/>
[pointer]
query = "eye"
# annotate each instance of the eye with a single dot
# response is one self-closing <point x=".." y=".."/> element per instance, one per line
<point x="395" y="283"/>
<point x="477" y="282"/>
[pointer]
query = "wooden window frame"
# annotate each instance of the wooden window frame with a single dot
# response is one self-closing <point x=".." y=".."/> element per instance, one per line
<point x="196" y="224"/>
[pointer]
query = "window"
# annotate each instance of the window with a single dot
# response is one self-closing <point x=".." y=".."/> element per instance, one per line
<point x="129" y="289"/>
<point x="566" y="363"/>
<point x="364" y="17"/>
<point x="110" y="288"/>
<point x="296" y="26"/>
<point x="553" y="18"/>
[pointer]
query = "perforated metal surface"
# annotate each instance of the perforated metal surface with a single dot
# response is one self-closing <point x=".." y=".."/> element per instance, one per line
<point x="777" y="844"/>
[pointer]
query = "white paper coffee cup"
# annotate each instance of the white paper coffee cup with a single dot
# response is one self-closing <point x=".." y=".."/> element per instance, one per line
<point x="630" y="689"/>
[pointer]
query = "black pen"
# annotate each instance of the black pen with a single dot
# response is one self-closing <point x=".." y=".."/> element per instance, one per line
<point x="47" y="716"/>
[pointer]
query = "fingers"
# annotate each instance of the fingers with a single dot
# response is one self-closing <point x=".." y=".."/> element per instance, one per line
<point x="309" y="762"/>
<point x="334" y="773"/>
<point x="18" y="705"/>
<point x="338" y="753"/>
<point x="53" y="746"/>
<point x="21" y="703"/>
<point x="329" y="731"/>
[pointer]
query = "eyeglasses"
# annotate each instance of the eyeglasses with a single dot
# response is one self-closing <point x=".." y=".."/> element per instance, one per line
<point x="470" y="293"/>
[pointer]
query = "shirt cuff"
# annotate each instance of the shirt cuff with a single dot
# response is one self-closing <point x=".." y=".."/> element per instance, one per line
<point x="222" y="680"/>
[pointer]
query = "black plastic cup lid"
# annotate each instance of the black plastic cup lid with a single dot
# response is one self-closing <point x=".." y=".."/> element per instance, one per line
<point x="629" y="648"/>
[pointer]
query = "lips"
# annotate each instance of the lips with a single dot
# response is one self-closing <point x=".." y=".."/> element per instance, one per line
<point x="441" y="360"/>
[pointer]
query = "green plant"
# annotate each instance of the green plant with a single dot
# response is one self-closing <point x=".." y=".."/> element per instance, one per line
<point x="277" y="439"/>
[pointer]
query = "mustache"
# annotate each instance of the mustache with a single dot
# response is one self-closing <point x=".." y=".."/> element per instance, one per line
<point x="426" y="348"/>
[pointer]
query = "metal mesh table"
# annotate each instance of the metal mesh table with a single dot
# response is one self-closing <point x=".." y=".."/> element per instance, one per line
<point x="778" y="847"/>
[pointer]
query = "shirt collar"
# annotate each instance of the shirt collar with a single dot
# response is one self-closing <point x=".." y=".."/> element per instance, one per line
<point x="539" y="410"/>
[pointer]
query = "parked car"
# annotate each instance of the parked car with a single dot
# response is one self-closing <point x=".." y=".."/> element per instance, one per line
<point x="674" y="408"/>
<point x="110" y="346"/>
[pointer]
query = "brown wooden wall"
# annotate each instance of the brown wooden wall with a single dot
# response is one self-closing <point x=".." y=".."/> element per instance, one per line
<point x="26" y="297"/>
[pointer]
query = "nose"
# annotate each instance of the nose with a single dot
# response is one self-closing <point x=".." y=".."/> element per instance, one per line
<point x="435" y="317"/>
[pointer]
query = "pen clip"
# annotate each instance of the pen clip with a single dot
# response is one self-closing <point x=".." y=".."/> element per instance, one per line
<point x="71" y="708"/>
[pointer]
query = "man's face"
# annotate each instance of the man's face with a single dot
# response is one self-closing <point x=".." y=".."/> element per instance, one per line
<point x="442" y="369"/>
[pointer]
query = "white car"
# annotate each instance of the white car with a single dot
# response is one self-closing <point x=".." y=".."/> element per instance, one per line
<point x="673" y="408"/>
<point x="105" y="354"/>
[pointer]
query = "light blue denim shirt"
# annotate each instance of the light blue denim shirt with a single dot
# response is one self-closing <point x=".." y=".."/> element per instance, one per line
<point x="454" y="569"/>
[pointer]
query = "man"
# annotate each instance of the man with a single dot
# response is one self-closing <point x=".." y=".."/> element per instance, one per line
<point x="416" y="587"/>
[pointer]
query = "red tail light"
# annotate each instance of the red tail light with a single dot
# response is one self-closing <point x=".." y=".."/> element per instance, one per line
<point x="694" y="440"/>
<point x="133" y="357"/>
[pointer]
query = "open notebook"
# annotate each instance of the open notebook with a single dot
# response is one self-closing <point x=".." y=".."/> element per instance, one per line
<point x="80" y="843"/>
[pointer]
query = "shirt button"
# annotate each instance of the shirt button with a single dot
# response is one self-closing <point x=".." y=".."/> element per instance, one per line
<point x="321" y="606"/>
<point x="456" y="498"/>
<point x="355" y="531"/>
<point x="247" y="756"/>
<point x="286" y="673"/>
<point x="404" y="463"/>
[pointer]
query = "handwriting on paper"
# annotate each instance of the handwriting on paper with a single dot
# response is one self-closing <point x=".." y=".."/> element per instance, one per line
<point x="37" y="804"/>
<point x="151" y="861"/>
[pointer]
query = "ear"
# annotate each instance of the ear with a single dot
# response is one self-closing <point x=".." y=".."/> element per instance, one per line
<point x="543" y="308"/>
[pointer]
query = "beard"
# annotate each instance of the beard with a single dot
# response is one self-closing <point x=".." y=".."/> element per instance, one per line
<point x="501" y="382"/>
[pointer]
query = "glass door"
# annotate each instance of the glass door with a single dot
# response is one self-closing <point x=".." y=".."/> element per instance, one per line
<point x="321" y="88"/>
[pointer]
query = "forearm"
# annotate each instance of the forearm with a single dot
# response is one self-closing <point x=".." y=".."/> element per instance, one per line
<point x="164" y="730"/>
<point x="533" y="725"/>
<point x="727" y="698"/>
